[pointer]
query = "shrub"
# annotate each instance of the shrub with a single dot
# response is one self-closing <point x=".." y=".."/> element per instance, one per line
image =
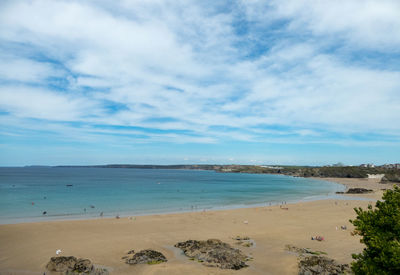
<point x="379" y="229"/>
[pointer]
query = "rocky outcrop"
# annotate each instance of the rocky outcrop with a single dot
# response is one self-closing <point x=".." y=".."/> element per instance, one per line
<point x="83" y="266"/>
<point x="71" y="265"/>
<point x="61" y="264"/>
<point x="214" y="253"/>
<point x="358" y="191"/>
<point x="147" y="256"/>
<point x="312" y="265"/>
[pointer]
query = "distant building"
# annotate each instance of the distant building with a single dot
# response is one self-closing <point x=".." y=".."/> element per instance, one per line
<point x="391" y="166"/>
<point x="368" y="165"/>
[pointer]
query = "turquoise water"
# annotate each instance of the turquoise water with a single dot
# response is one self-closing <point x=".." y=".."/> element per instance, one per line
<point x="25" y="193"/>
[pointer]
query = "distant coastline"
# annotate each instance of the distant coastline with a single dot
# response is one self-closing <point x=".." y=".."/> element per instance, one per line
<point x="390" y="173"/>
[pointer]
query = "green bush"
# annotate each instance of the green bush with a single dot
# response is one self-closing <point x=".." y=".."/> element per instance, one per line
<point x="379" y="229"/>
<point x="392" y="175"/>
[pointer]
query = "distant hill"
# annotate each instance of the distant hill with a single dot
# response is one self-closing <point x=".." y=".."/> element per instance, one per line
<point x="391" y="174"/>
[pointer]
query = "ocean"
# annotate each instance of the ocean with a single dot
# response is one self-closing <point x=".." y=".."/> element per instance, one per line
<point x="31" y="194"/>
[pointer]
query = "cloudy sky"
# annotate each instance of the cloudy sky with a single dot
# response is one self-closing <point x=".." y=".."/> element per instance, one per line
<point x="275" y="82"/>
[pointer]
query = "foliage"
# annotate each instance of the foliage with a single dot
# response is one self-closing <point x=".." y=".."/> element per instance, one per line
<point x="379" y="229"/>
<point x="303" y="171"/>
<point x="392" y="175"/>
<point x="337" y="172"/>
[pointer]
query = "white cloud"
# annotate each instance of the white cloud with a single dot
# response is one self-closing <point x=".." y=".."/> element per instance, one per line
<point x="332" y="94"/>
<point x="18" y="69"/>
<point x="366" y="24"/>
<point x="26" y="102"/>
<point x="178" y="66"/>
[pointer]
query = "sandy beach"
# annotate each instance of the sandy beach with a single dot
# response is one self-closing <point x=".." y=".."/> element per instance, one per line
<point x="27" y="247"/>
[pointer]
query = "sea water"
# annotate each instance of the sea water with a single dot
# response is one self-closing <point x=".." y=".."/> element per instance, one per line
<point x="81" y="193"/>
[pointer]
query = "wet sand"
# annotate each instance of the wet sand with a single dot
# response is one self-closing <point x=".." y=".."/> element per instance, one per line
<point x="27" y="247"/>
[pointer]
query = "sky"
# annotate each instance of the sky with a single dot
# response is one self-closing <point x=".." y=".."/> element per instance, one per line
<point x="174" y="82"/>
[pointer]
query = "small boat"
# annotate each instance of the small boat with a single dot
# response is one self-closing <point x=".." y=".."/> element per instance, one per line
<point x="69" y="185"/>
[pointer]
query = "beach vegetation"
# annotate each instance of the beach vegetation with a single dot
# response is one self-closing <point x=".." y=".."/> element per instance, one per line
<point x="336" y="172"/>
<point x="392" y="175"/>
<point x="379" y="228"/>
<point x="306" y="171"/>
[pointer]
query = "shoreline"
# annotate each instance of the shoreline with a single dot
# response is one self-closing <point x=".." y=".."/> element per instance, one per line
<point x="127" y="214"/>
<point x="346" y="182"/>
<point x="27" y="247"/>
<point x="339" y="197"/>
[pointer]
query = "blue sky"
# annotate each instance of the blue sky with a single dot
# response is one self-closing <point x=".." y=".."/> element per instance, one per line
<point x="168" y="82"/>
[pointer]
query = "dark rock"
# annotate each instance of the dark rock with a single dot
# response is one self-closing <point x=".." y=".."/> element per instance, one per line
<point x="83" y="266"/>
<point x="321" y="265"/>
<point x="73" y="266"/>
<point x="95" y="271"/>
<point x="238" y="238"/>
<point x="100" y="271"/>
<point x="302" y="251"/>
<point x="311" y="263"/>
<point x="147" y="256"/>
<point x="214" y="253"/>
<point x="61" y="264"/>
<point x="358" y="191"/>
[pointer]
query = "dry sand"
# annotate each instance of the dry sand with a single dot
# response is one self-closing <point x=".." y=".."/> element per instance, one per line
<point x="26" y="248"/>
